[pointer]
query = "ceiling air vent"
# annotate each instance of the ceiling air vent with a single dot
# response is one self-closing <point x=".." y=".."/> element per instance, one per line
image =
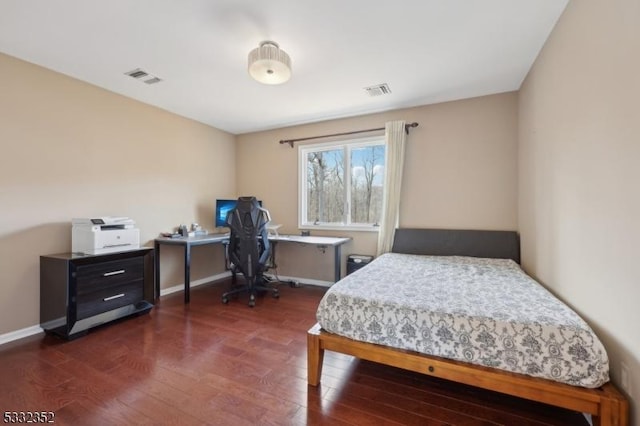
<point x="153" y="80"/>
<point x="378" y="89"/>
<point x="137" y="73"/>
<point x="143" y="76"/>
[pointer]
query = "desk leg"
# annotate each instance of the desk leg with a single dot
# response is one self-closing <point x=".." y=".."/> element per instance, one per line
<point x="187" y="272"/>
<point x="337" y="264"/>
<point x="156" y="280"/>
<point x="273" y="254"/>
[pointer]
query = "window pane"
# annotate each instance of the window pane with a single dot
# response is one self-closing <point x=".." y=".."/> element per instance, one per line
<point x="325" y="186"/>
<point x="367" y="178"/>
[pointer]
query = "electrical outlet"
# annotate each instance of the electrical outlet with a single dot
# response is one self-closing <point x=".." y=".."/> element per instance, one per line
<point x="624" y="378"/>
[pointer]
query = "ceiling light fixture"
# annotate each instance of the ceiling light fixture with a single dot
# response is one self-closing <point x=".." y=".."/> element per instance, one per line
<point x="268" y="64"/>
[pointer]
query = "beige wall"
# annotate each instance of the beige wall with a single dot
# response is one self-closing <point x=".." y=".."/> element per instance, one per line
<point x="579" y="156"/>
<point x="70" y="149"/>
<point x="460" y="172"/>
<point x="77" y="150"/>
<point x="558" y="162"/>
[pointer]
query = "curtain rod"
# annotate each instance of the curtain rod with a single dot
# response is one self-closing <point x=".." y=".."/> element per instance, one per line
<point x="291" y="141"/>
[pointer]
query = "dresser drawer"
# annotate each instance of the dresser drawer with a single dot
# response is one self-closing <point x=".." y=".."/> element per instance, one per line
<point x="95" y="277"/>
<point x="108" y="298"/>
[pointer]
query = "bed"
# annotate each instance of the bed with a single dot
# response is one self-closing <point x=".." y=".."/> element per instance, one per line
<point x="455" y="304"/>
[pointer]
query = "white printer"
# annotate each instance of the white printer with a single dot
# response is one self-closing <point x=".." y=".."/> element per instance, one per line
<point x="104" y="235"/>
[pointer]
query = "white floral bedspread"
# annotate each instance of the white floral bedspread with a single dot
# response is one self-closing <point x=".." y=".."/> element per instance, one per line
<point x="482" y="311"/>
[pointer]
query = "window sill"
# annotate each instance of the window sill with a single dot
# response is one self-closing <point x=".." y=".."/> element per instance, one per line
<point x="338" y="228"/>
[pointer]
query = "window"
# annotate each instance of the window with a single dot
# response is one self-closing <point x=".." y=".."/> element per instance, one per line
<point x="341" y="184"/>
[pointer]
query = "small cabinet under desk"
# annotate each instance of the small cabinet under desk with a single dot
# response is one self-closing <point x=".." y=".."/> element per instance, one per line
<point x="78" y="292"/>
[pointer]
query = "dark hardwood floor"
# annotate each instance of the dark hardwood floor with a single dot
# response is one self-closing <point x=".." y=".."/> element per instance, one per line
<point x="209" y="363"/>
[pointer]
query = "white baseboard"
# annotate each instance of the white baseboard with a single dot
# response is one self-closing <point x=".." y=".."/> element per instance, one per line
<point x="180" y="287"/>
<point x="19" y="334"/>
<point x="227" y="274"/>
<point x="308" y="281"/>
<point x="35" y="329"/>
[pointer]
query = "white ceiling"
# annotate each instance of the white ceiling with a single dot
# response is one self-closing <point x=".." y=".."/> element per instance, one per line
<point x="427" y="51"/>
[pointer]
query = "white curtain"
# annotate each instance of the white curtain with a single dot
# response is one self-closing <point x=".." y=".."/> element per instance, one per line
<point x="395" y="139"/>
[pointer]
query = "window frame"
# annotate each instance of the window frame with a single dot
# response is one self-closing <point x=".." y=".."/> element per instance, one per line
<point x="347" y="145"/>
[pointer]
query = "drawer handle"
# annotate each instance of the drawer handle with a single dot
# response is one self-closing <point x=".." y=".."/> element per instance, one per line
<point x="108" y="274"/>
<point x="106" y="299"/>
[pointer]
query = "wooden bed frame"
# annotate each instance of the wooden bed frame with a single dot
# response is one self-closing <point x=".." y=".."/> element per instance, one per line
<point x="606" y="404"/>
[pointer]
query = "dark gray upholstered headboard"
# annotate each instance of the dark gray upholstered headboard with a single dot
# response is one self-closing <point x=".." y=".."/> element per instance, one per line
<point x="456" y="242"/>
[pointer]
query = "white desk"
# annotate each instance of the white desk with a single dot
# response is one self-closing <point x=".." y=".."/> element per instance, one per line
<point x="188" y="242"/>
<point x="322" y="242"/>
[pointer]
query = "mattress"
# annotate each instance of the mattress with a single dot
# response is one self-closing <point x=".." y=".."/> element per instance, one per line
<point x="482" y="311"/>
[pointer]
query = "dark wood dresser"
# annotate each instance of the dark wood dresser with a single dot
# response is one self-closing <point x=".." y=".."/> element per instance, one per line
<point x="78" y="292"/>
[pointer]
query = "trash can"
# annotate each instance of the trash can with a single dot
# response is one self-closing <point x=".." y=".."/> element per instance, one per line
<point x="357" y="261"/>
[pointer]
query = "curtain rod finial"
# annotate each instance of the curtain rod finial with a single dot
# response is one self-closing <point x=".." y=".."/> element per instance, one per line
<point x="406" y="126"/>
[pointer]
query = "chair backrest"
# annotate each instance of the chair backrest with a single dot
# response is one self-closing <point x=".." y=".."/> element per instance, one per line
<point x="249" y="246"/>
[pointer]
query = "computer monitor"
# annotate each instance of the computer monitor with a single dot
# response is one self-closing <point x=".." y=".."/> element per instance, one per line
<point x="223" y="207"/>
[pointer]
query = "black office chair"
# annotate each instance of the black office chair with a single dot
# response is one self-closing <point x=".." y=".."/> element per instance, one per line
<point x="249" y="248"/>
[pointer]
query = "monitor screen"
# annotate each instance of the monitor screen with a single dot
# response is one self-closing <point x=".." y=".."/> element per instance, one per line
<point x="223" y="207"/>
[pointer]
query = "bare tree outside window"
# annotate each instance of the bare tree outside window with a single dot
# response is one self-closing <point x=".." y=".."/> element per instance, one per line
<point x="343" y="183"/>
<point x="325" y="186"/>
<point x="367" y="176"/>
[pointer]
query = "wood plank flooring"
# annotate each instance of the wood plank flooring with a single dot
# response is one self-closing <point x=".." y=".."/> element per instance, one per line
<point x="209" y="363"/>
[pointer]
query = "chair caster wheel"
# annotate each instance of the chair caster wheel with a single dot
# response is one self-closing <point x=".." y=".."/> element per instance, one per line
<point x="294" y="284"/>
<point x="225" y="300"/>
<point x="276" y="295"/>
<point x="252" y="301"/>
